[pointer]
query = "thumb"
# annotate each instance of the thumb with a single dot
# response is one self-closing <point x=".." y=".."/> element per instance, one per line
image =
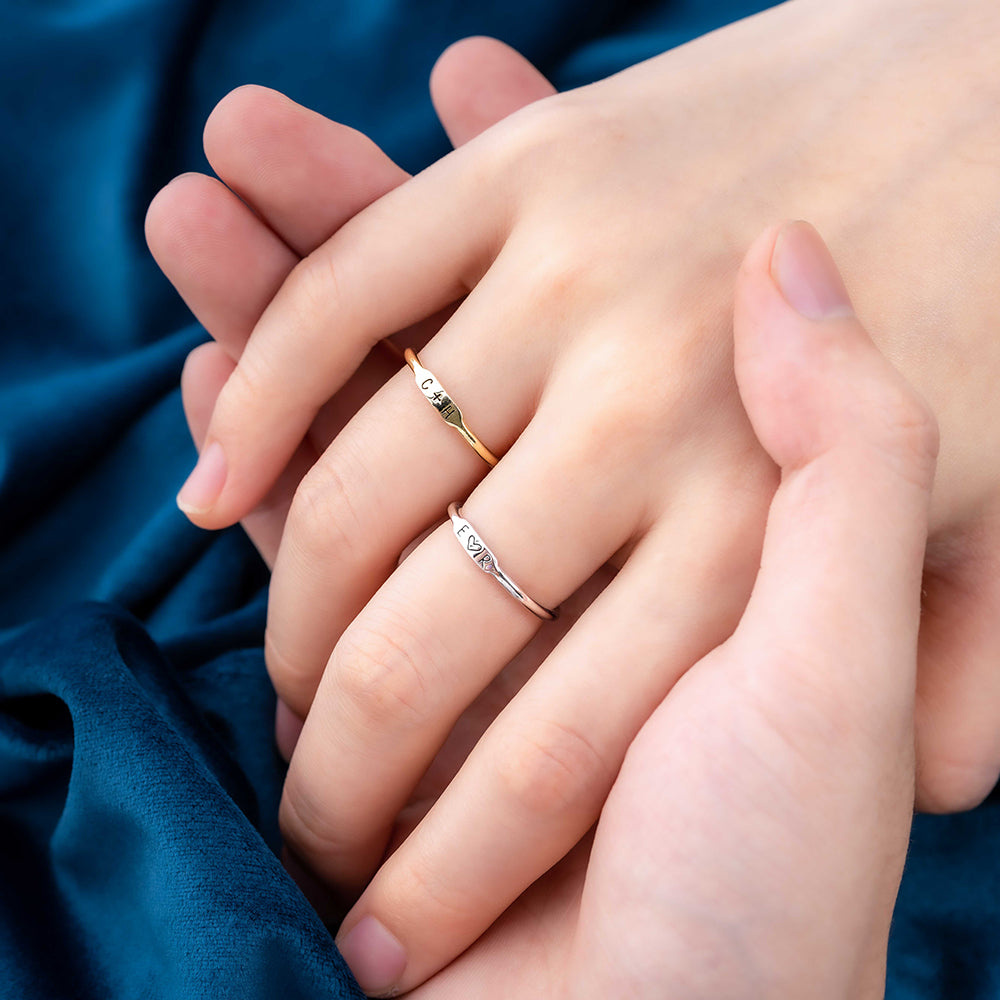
<point x="838" y="592"/>
<point x="757" y="829"/>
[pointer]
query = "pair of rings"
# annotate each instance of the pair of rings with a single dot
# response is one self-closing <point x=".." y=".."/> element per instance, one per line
<point x="470" y="539"/>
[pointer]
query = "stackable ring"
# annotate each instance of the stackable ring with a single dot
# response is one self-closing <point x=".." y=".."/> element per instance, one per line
<point x="438" y="397"/>
<point x="480" y="554"/>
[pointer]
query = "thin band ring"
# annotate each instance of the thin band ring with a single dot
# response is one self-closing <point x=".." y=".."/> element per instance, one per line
<point x="480" y="554"/>
<point x="438" y="397"/>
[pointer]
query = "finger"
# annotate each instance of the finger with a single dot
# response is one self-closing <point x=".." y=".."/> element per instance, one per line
<point x="388" y="476"/>
<point x="479" y="81"/>
<point x="287" y="729"/>
<point x="439" y="629"/>
<point x="431" y="898"/>
<point x="227" y="263"/>
<point x="856" y="446"/>
<point x="300" y="176"/>
<point x="303" y="174"/>
<point x="536" y="782"/>
<point x="281" y="157"/>
<point x="205" y="372"/>
<point x="223" y="261"/>
<point x="804" y="718"/>
<point x="958" y="681"/>
<point x="255" y="137"/>
<point x="334" y="306"/>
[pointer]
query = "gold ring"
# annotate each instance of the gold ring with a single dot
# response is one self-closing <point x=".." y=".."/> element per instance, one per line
<point x="438" y="397"/>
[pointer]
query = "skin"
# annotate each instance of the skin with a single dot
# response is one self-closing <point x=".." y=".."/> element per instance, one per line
<point x="754" y="839"/>
<point x="380" y="701"/>
<point x="691" y="889"/>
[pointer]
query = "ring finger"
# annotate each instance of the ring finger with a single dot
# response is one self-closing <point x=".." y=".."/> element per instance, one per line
<point x="387" y="477"/>
<point x="543" y="770"/>
<point x="438" y="631"/>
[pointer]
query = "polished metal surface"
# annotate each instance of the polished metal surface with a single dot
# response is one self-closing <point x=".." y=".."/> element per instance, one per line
<point x="438" y="397"/>
<point x="479" y="552"/>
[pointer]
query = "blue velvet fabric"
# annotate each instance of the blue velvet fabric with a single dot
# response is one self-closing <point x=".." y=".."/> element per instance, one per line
<point x="138" y="783"/>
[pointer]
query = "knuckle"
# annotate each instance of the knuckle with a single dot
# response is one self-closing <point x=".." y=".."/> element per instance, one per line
<point x="550" y="770"/>
<point x="325" y="521"/>
<point x="632" y="414"/>
<point x="307" y="827"/>
<point x="418" y="886"/>
<point x="627" y="421"/>
<point x="907" y="432"/>
<point x="561" y="281"/>
<point x="380" y="672"/>
<point x="312" y="292"/>
<point x="536" y="151"/>
<point x="254" y="387"/>
<point x="294" y="681"/>
<point x="521" y="136"/>
<point x="559" y="126"/>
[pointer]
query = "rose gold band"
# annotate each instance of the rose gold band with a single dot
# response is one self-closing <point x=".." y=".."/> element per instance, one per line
<point x="438" y="397"/>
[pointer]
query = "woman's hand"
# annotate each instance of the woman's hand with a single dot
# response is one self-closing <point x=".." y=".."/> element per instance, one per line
<point x="753" y="843"/>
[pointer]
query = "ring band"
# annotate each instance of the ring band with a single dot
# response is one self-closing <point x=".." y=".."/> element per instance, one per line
<point x="480" y="554"/>
<point x="438" y="397"/>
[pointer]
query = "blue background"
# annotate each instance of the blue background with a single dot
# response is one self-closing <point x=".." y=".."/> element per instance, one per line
<point x="138" y="783"/>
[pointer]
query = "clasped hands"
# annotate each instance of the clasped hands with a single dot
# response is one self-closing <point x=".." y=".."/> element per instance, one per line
<point x="605" y="378"/>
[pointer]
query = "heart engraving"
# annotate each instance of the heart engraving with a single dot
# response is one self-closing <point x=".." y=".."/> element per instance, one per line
<point x="474" y="545"/>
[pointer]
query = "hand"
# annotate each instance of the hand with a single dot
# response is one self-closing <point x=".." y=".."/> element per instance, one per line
<point x="302" y="176"/>
<point x="959" y="622"/>
<point x="291" y="179"/>
<point x="754" y="840"/>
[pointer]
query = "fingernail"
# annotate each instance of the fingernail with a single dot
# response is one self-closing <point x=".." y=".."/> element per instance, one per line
<point x="376" y="958"/>
<point x="804" y="271"/>
<point x="287" y="729"/>
<point x="205" y="483"/>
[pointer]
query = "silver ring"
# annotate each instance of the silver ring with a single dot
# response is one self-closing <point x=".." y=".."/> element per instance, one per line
<point x="478" y="551"/>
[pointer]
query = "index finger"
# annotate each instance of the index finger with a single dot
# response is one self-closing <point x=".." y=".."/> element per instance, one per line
<point x="404" y="257"/>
